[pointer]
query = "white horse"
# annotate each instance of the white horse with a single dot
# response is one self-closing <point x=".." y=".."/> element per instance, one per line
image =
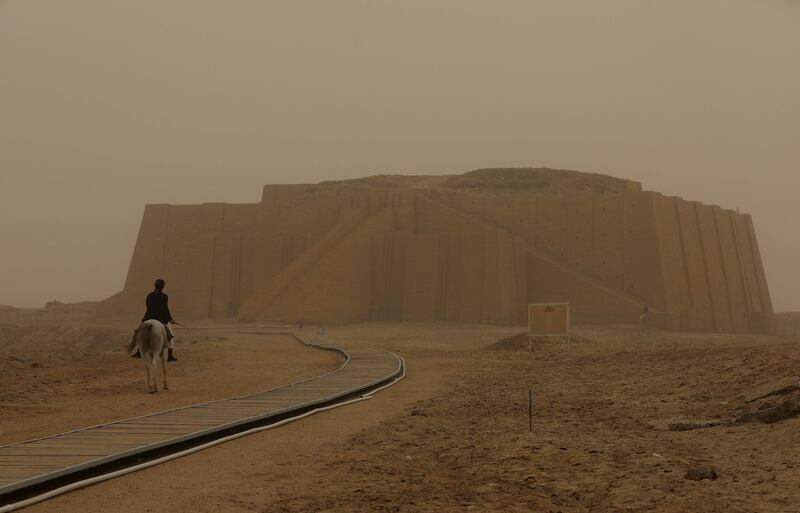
<point x="151" y="339"/>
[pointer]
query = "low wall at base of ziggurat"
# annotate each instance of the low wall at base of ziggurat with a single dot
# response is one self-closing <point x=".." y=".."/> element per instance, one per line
<point x="787" y="324"/>
<point x="472" y="248"/>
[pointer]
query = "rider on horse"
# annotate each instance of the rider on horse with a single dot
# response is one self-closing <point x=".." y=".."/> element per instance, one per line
<point x="158" y="309"/>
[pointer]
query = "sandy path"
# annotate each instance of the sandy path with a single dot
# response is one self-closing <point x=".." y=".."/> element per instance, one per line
<point x="49" y="392"/>
<point x="453" y="436"/>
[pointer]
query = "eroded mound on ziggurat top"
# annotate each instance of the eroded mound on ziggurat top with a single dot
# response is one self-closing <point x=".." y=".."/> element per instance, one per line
<point x="476" y="247"/>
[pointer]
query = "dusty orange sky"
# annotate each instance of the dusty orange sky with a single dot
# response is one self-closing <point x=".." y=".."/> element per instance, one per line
<point x="108" y="105"/>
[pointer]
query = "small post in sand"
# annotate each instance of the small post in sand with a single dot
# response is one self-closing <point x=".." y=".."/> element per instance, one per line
<point x="530" y="409"/>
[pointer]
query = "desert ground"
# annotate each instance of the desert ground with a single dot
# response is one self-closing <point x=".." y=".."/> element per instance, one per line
<point x="453" y="436"/>
<point x="57" y="378"/>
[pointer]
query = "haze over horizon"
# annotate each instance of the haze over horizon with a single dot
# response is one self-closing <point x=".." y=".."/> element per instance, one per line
<point x="107" y="106"/>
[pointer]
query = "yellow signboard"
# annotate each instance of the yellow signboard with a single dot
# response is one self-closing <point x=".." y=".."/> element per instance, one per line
<point x="548" y="320"/>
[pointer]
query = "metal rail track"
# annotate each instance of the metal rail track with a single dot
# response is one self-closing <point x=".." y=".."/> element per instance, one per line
<point x="35" y="467"/>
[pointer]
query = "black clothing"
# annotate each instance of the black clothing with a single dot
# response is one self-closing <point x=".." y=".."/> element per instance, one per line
<point x="157" y="308"/>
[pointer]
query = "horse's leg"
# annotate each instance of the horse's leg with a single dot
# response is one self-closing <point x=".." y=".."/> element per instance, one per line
<point x="152" y="360"/>
<point x="146" y="359"/>
<point x="164" y="364"/>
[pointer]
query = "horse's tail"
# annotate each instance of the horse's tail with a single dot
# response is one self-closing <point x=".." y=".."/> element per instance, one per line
<point x="133" y="343"/>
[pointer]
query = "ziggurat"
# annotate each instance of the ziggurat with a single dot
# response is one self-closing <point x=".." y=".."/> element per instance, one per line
<point x="472" y="248"/>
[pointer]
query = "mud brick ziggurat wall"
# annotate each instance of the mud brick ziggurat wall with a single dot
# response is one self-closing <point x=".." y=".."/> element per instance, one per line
<point x="452" y="249"/>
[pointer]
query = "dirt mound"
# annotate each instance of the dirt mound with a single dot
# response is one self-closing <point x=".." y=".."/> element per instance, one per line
<point x="10" y="314"/>
<point x="53" y="311"/>
<point x="520" y="342"/>
<point x="684" y="424"/>
<point x="768" y="404"/>
<point x="44" y="338"/>
<point x="544" y="181"/>
<point x="775" y="402"/>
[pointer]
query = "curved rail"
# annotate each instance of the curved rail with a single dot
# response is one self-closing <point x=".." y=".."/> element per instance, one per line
<point x="36" y="469"/>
